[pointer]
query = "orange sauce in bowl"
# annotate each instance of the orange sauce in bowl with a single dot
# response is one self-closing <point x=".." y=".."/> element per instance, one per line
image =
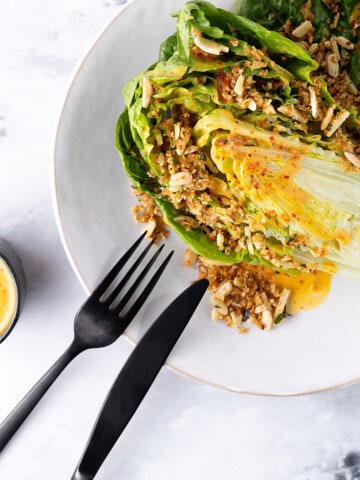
<point x="8" y="297"/>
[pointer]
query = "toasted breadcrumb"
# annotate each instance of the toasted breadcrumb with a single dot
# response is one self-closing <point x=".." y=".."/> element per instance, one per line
<point x="242" y="293"/>
<point x="146" y="211"/>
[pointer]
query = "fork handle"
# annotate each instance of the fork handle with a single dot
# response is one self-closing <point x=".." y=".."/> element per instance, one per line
<point x="17" y="416"/>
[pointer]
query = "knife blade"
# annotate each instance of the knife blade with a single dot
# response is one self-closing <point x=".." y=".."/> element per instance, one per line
<point x="136" y="377"/>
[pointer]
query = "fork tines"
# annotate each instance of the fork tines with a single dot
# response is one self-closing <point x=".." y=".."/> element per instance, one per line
<point x="110" y="299"/>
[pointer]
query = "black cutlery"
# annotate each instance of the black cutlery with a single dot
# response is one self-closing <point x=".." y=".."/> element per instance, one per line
<point x="99" y="322"/>
<point x="136" y="377"/>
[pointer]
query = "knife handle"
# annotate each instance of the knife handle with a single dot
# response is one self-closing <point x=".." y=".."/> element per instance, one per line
<point x="136" y="377"/>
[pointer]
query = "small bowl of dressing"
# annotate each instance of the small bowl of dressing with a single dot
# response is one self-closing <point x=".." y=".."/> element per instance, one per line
<point x="12" y="288"/>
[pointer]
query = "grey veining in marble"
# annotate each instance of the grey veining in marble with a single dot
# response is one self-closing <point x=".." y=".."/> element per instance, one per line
<point x="184" y="429"/>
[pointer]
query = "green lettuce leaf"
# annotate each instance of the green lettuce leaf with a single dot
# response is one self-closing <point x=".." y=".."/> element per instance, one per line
<point x="273" y="14"/>
<point x="224" y="26"/>
<point x="168" y="48"/>
<point x="309" y="212"/>
<point x="355" y="67"/>
<point x="270" y="13"/>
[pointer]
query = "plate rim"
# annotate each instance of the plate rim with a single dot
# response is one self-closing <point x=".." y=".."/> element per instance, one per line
<point x="55" y="138"/>
<point x="71" y="258"/>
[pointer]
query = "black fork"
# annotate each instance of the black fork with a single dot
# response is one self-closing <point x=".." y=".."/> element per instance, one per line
<point x="99" y="322"/>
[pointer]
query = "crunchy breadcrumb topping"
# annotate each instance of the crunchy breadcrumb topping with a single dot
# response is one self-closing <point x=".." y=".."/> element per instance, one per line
<point x="146" y="211"/>
<point x="242" y="294"/>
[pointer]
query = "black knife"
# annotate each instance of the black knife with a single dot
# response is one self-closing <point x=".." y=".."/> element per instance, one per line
<point x="136" y="377"/>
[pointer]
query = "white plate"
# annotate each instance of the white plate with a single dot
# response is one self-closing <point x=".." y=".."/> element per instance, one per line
<point x="314" y="351"/>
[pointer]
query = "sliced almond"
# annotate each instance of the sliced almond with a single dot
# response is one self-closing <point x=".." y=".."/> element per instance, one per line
<point x="313" y="102"/>
<point x="161" y="159"/>
<point x="177" y="130"/>
<point x="352" y="88"/>
<point x="260" y="308"/>
<point x="337" y="122"/>
<point x="158" y="138"/>
<point x="291" y="112"/>
<point x="314" y="48"/>
<point x="150" y="227"/>
<point x="147" y="91"/>
<point x="209" y="46"/>
<point x="352" y="158"/>
<point x="280" y="307"/>
<point x="180" y="178"/>
<point x="332" y="65"/>
<point x="191" y="149"/>
<point x="249" y="103"/>
<point x="335" y="48"/>
<point x="328" y="117"/>
<point x="236" y="319"/>
<point x="336" y="20"/>
<point x="265" y="300"/>
<point x="224" y="290"/>
<point x="190" y="257"/>
<point x="303" y="29"/>
<point x="249" y="241"/>
<point x="220" y="239"/>
<point x="267" y="107"/>
<point x="345" y="43"/>
<point x="219" y="305"/>
<point x="267" y="319"/>
<point x="239" y="84"/>
<point x="215" y="315"/>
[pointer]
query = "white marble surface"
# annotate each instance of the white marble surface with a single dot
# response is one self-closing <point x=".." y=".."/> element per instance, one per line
<point x="184" y="429"/>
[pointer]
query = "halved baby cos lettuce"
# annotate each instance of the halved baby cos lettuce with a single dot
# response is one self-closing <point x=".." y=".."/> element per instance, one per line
<point x="304" y="182"/>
